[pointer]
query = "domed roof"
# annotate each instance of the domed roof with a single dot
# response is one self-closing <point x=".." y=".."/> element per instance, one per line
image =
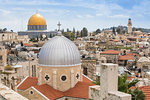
<point x="59" y="51"/>
<point x="37" y="19"/>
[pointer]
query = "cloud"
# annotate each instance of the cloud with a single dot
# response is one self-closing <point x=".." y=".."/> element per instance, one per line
<point x="98" y="14"/>
<point x="119" y="16"/>
<point x="79" y="16"/>
<point x="89" y="16"/>
<point x="4" y="12"/>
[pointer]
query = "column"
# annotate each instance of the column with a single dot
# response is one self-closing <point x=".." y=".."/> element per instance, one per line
<point x="72" y="78"/>
<point x="54" y="80"/>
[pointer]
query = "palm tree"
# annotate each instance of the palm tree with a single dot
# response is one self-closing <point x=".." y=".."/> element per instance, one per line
<point x="137" y="94"/>
<point x="124" y="85"/>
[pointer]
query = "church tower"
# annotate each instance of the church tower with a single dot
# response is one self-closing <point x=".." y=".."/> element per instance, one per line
<point x="129" y="26"/>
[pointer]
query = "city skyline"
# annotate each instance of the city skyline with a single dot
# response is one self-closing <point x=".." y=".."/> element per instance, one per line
<point x="91" y="14"/>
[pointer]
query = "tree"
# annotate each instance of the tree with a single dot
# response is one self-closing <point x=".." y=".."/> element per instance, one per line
<point x="5" y="29"/>
<point x="21" y="43"/>
<point x="137" y="94"/>
<point x="37" y="38"/>
<point x="125" y="86"/>
<point x="78" y="34"/>
<point x="41" y="37"/>
<point x="69" y="35"/>
<point x="118" y="30"/>
<point x="81" y="33"/>
<point x="113" y="30"/>
<point x="62" y="31"/>
<point x="97" y="31"/>
<point x="68" y="30"/>
<point x="85" y="32"/>
<point x="74" y="31"/>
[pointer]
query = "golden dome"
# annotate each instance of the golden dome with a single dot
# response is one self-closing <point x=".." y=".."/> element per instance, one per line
<point x="37" y="19"/>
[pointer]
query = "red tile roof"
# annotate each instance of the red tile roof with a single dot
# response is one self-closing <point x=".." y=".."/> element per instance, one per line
<point x="27" y="44"/>
<point x="126" y="57"/>
<point x="146" y="90"/>
<point x="49" y="92"/>
<point x="130" y="78"/>
<point x="81" y="89"/>
<point x="129" y="56"/>
<point x="110" y="52"/>
<point x="115" y="40"/>
<point x="27" y="83"/>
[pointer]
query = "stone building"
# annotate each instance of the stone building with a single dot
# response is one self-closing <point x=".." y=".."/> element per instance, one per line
<point x="3" y="56"/>
<point x="89" y="68"/>
<point x="8" y="94"/>
<point x="111" y="56"/>
<point x="143" y="63"/>
<point x="108" y="89"/>
<point x="59" y="73"/>
<point x="13" y="37"/>
<point x="36" y="27"/>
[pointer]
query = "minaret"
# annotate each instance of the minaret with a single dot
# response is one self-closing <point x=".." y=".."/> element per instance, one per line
<point x="129" y="26"/>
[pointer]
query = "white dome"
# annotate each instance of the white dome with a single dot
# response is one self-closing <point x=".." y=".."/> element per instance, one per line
<point x="59" y="51"/>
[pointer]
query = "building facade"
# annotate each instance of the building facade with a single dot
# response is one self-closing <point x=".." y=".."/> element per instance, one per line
<point x="36" y="27"/>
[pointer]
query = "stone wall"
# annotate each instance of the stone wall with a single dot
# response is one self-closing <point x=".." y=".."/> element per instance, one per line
<point x="34" y="96"/>
<point x="91" y="68"/>
<point x="9" y="94"/>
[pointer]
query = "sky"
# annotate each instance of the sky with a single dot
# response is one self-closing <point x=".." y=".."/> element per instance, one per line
<point x="92" y="14"/>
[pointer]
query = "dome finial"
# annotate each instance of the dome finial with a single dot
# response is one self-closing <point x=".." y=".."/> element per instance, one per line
<point x="58" y="26"/>
<point x="59" y="32"/>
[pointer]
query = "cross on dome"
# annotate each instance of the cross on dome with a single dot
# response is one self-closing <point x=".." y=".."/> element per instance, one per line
<point x="58" y="26"/>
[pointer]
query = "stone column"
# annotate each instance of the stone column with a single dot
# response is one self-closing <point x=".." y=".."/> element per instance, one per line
<point x="40" y="77"/>
<point x="72" y="78"/>
<point x="54" y="80"/>
<point x="108" y="79"/>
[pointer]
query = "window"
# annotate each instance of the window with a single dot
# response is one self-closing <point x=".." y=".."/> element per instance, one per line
<point x="63" y="78"/>
<point x="85" y="72"/>
<point x="15" y="70"/>
<point x="47" y="77"/>
<point x="77" y="76"/>
<point x="31" y="92"/>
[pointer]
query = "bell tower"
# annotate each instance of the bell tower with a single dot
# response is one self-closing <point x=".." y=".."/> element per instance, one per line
<point x="129" y="26"/>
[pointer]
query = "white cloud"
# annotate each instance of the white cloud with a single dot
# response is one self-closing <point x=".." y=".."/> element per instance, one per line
<point x="89" y="16"/>
<point x="98" y="14"/>
<point x="79" y="16"/>
<point x="119" y="16"/>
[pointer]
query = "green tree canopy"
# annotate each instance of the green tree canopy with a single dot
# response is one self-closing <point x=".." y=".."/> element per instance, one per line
<point x="125" y="86"/>
<point x="84" y="32"/>
<point x="97" y="31"/>
<point x="69" y="35"/>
